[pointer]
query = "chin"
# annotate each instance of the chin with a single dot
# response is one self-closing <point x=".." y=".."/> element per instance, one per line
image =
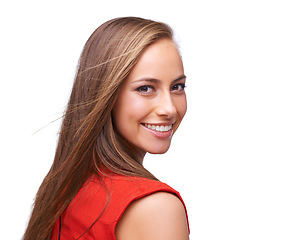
<point x="159" y="150"/>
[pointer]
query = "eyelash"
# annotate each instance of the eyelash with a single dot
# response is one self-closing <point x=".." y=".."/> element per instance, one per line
<point x="182" y="85"/>
<point x="143" y="89"/>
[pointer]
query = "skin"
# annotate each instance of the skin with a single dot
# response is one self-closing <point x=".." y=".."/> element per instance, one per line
<point x="160" y="216"/>
<point x="153" y="94"/>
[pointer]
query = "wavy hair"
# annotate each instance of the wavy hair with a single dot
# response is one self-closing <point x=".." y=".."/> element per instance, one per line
<point x="87" y="140"/>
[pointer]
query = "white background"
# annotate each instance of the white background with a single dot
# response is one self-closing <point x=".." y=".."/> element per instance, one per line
<point x="225" y="158"/>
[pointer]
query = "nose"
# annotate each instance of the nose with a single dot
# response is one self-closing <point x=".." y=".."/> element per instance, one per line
<point x="166" y="106"/>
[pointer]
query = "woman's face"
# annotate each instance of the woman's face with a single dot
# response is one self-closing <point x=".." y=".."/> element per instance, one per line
<point x="152" y="101"/>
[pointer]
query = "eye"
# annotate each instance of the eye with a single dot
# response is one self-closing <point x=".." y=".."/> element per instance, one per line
<point x="178" y="87"/>
<point x="146" y="89"/>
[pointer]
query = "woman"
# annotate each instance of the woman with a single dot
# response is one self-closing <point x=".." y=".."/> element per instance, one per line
<point x="127" y="99"/>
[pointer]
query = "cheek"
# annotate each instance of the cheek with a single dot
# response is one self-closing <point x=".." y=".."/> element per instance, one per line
<point x="181" y="106"/>
<point x="128" y="111"/>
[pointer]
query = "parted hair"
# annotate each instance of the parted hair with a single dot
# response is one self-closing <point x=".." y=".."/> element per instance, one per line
<point x="87" y="140"/>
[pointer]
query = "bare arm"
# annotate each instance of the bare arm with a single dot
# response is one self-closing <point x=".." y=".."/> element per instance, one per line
<point x="160" y="216"/>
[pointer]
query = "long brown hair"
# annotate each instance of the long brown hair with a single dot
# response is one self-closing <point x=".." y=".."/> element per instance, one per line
<point x="87" y="140"/>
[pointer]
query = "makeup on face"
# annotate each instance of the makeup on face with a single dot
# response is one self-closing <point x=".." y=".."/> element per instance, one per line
<point x="152" y="101"/>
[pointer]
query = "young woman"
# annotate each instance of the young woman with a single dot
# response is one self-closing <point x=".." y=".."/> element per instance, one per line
<point x="127" y="99"/>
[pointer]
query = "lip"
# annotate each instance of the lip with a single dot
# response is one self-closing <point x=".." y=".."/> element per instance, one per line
<point x="160" y="123"/>
<point x="163" y="134"/>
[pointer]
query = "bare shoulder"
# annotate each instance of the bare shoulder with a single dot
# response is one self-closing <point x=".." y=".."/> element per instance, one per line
<point x="158" y="216"/>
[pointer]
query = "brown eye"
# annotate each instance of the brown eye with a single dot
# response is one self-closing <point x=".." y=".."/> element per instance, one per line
<point x="178" y="87"/>
<point x="145" y="89"/>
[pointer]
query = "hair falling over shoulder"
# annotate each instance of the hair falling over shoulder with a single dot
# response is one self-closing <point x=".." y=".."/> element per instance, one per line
<point x="87" y="141"/>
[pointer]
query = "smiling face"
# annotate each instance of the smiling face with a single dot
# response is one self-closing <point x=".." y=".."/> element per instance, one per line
<point x="152" y="101"/>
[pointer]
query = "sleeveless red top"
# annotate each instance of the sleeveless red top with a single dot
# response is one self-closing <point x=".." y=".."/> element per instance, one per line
<point x="99" y="205"/>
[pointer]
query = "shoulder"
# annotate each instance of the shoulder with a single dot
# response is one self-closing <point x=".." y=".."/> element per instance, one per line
<point x="160" y="215"/>
<point x="135" y="187"/>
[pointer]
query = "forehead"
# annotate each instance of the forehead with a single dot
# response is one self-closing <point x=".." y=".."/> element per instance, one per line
<point x="160" y="60"/>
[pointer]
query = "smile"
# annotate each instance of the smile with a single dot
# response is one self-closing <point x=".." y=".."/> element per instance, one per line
<point x="159" y="128"/>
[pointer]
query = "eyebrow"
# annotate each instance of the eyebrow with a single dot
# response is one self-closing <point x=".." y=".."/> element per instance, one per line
<point x="155" y="80"/>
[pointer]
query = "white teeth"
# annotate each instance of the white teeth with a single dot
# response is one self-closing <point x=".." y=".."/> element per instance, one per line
<point x="159" y="128"/>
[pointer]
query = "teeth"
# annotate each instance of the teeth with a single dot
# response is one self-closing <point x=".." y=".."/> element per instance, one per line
<point x="159" y="128"/>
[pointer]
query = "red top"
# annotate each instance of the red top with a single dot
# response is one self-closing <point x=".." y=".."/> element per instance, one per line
<point x="98" y="206"/>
